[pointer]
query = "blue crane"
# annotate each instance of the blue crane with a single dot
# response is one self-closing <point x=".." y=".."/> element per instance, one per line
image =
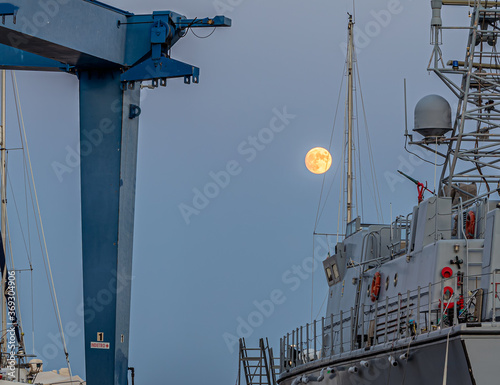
<point x="112" y="52"/>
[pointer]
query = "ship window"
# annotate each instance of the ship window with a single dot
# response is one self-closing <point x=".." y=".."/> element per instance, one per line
<point x="387" y="283"/>
<point x="335" y="271"/>
<point x="395" y="279"/>
<point x="329" y="274"/>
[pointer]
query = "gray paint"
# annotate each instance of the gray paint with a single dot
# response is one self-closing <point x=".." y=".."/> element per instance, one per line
<point x="426" y="362"/>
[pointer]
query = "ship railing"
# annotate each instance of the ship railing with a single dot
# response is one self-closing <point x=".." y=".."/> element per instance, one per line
<point x="402" y="317"/>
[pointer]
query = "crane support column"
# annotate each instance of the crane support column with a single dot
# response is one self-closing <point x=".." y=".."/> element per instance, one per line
<point x="108" y="152"/>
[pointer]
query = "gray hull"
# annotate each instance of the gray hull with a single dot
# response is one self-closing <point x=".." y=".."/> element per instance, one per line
<point x="472" y="359"/>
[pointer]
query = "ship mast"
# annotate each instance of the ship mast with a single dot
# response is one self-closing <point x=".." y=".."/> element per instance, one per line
<point x="350" y="85"/>
<point x="473" y="149"/>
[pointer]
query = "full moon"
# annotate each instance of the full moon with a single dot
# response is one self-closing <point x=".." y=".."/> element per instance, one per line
<point x="318" y="160"/>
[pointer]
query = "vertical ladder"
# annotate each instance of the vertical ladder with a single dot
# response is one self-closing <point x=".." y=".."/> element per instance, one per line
<point x="258" y="364"/>
<point x="275" y="364"/>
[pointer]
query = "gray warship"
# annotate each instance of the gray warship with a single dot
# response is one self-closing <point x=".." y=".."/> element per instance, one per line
<point x="416" y="301"/>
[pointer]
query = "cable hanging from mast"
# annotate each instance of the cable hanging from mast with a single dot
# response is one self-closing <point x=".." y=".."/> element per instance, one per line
<point x="40" y="230"/>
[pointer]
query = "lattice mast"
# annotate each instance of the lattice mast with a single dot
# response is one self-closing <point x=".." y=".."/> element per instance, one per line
<point x="473" y="150"/>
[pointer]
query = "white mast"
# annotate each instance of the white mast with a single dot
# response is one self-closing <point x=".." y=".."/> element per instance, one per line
<point x="350" y="85"/>
<point x="3" y="197"/>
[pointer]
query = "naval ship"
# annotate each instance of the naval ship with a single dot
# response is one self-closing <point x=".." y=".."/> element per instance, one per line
<point x="416" y="301"/>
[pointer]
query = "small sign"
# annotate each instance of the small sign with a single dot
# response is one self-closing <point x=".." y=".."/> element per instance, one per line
<point x="99" y="345"/>
<point x="100" y="337"/>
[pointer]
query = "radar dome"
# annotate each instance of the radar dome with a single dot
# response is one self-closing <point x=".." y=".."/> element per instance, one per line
<point x="36" y="366"/>
<point x="432" y="116"/>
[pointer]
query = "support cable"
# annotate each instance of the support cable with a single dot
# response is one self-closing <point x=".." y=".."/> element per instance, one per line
<point x="376" y="191"/>
<point x="318" y="214"/>
<point x="46" y="260"/>
<point x="27" y="187"/>
<point x="342" y="184"/>
<point x="18" y="302"/>
<point x="359" y="179"/>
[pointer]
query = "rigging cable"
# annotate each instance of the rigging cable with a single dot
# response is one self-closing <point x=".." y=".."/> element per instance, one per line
<point x="329" y="190"/>
<point x="23" y="236"/>
<point x="17" y="311"/>
<point x="321" y="210"/>
<point x="359" y="179"/>
<point x="312" y="280"/>
<point x="407" y="357"/>
<point x="342" y="184"/>
<point x="28" y="254"/>
<point x="318" y="214"/>
<point x="26" y="183"/>
<point x="40" y="228"/>
<point x="445" y="371"/>
<point x="376" y="191"/>
<point x="323" y="304"/>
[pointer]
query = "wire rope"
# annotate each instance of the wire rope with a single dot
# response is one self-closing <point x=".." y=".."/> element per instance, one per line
<point x="41" y="232"/>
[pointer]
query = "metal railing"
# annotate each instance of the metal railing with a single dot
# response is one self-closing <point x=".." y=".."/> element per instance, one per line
<point x="396" y="318"/>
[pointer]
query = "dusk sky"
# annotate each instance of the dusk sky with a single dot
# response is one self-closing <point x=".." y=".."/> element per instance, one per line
<point x="204" y="265"/>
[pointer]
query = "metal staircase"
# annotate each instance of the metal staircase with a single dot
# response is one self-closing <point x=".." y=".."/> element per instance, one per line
<point x="258" y="364"/>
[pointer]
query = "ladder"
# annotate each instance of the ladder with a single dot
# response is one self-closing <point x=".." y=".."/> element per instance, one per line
<point x="258" y="364"/>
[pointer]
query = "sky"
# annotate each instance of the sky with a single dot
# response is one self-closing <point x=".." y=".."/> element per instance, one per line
<point x="199" y="277"/>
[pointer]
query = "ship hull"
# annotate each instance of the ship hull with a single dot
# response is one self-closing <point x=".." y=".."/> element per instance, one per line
<point x="468" y="357"/>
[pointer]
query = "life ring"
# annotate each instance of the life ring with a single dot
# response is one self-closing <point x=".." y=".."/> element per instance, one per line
<point x="375" y="286"/>
<point x="447" y="272"/>
<point x="447" y="293"/>
<point x="470" y="225"/>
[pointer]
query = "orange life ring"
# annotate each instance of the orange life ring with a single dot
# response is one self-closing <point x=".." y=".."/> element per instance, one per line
<point x="470" y="225"/>
<point x="375" y="286"/>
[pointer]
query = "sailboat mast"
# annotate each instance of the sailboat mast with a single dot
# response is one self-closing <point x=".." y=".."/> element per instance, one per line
<point x="3" y="220"/>
<point x="350" y="82"/>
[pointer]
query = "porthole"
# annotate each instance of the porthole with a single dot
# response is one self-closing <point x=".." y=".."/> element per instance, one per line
<point x="387" y="283"/>
<point x="395" y="279"/>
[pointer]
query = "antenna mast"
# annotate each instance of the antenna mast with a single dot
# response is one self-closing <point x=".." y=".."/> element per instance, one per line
<point x="472" y="156"/>
<point x="350" y="86"/>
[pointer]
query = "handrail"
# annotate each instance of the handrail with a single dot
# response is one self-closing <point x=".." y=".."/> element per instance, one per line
<point x="472" y="3"/>
<point x="418" y="312"/>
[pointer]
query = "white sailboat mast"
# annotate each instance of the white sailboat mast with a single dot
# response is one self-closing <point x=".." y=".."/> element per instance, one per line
<point x="3" y="196"/>
<point x="350" y="85"/>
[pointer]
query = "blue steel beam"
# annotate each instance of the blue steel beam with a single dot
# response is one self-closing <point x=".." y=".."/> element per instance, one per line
<point x="69" y="31"/>
<point x="15" y="59"/>
<point x="111" y="8"/>
<point x="160" y="71"/>
<point x="79" y="32"/>
<point x="108" y="148"/>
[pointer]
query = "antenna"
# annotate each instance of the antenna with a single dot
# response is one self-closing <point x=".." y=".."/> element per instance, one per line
<point x="390" y="205"/>
<point x="406" y="111"/>
<point x="350" y="104"/>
